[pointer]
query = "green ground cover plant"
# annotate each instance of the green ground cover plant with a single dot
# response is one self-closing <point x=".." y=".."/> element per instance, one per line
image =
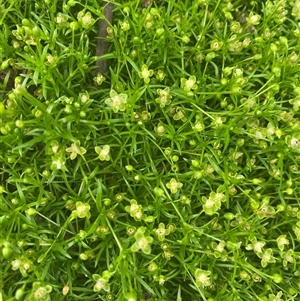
<point x="174" y="176"/>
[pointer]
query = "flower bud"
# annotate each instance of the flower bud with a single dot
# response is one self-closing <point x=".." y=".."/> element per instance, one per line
<point x="6" y="252"/>
<point x="229" y="216"/>
<point x="5" y="64"/>
<point x="19" y="293"/>
<point x="159" y="32"/>
<point x="26" y="22"/>
<point x="31" y="211"/>
<point x="158" y="192"/>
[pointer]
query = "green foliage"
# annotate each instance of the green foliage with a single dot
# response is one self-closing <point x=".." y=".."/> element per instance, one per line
<point x="174" y="176"/>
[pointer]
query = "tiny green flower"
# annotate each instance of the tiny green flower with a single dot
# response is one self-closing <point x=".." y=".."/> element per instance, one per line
<point x="217" y="196"/>
<point x="99" y="79"/>
<point x="296" y="103"/>
<point x="245" y="276"/>
<point x="173" y="185"/>
<point x="82" y="234"/>
<point x="216" y="45"/>
<point x="149" y="24"/>
<point x="58" y="162"/>
<point x="286" y="116"/>
<point x="179" y="114"/>
<point x="296" y="10"/>
<point x="293" y="57"/>
<point x="145" y="116"/>
<point x="256" y="246"/>
<point x="210" y="205"/>
<point x="235" y="27"/>
<point x="85" y="19"/>
<point x="61" y="19"/>
<point x="246" y="42"/>
<point x="135" y="210"/>
<point x="198" y="126"/>
<point x="82" y="210"/>
<point x="267" y="257"/>
<point x="119" y="197"/>
<point x="189" y="84"/>
<point x="220" y="247"/>
<point x="265" y="211"/>
<point x="86" y="255"/>
<point x="218" y="121"/>
<point x="161" y="279"/>
<point x="272" y="297"/>
<point x="142" y="242"/>
<point x="103" y="152"/>
<point x="161" y="232"/>
<point x="164" y="97"/>
<point x="253" y="19"/>
<point x="51" y="59"/>
<point x="270" y="130"/>
<point x="145" y="73"/>
<point x="116" y="101"/>
<point x="296" y="229"/>
<point x="102" y="281"/>
<point x="256" y="277"/>
<point x="160" y="75"/>
<point x="171" y="227"/>
<point x="130" y="230"/>
<point x="287" y="257"/>
<point x="152" y="267"/>
<point x="168" y="255"/>
<point x="160" y="129"/>
<point x="75" y="150"/>
<point x="185" y="39"/>
<point x="282" y="241"/>
<point x="16" y="264"/>
<point x="125" y="26"/>
<point x="40" y="293"/>
<point x="102" y="231"/>
<point x="53" y="147"/>
<point x="202" y="278"/>
<point x="84" y="98"/>
<point x="293" y="142"/>
<point x="185" y="200"/>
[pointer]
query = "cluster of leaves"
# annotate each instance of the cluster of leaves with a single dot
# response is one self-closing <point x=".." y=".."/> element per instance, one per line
<point x="176" y="177"/>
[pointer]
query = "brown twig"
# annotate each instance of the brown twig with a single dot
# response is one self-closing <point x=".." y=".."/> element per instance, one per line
<point x="146" y="3"/>
<point x="103" y="44"/>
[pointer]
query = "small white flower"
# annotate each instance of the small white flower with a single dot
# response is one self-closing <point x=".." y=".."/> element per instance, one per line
<point x="282" y="241"/>
<point x="116" y="101"/>
<point x="189" y="84"/>
<point x="198" y="127"/>
<point x="160" y="129"/>
<point x="173" y="185"/>
<point x="103" y="152"/>
<point x="253" y="19"/>
<point x="85" y="19"/>
<point x="16" y="264"/>
<point x="294" y="142"/>
<point x="202" y="278"/>
<point x="256" y="246"/>
<point x="58" y="163"/>
<point x="125" y="26"/>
